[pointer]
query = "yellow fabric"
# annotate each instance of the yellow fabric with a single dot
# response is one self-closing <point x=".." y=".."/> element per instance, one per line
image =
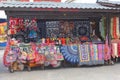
<point x="117" y="26"/>
<point x="2" y="28"/>
<point x="2" y="31"/>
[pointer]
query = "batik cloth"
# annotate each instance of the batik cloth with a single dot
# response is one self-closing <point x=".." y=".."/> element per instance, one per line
<point x="84" y="54"/>
<point x="70" y="53"/>
<point x="94" y="54"/>
<point x="100" y="54"/>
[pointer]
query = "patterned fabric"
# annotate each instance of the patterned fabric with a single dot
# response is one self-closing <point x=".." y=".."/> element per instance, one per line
<point x="114" y="50"/>
<point x="94" y="57"/>
<point x="107" y="50"/>
<point x="115" y="27"/>
<point x="83" y="30"/>
<point x="100" y="52"/>
<point x="84" y="53"/>
<point x="119" y="49"/>
<point x="95" y="52"/>
<point x="70" y="53"/>
<point x="11" y="57"/>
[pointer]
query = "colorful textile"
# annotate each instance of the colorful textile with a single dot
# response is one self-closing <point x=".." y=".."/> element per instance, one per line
<point x="11" y="57"/>
<point x="84" y="54"/>
<point x="83" y="30"/>
<point x="95" y="52"/>
<point x="70" y="53"/>
<point x="7" y="49"/>
<point x="94" y="57"/>
<point x="102" y="27"/>
<point x="115" y="27"/>
<point x="91" y="51"/>
<point x="107" y="50"/>
<point x="111" y="27"/>
<point x="114" y="50"/>
<point x="119" y="49"/>
<point x="100" y="53"/>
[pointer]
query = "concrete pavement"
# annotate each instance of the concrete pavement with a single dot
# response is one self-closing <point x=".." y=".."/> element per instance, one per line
<point x="83" y="73"/>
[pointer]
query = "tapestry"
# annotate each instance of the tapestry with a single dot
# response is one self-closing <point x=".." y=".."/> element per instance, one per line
<point x="95" y="51"/>
<point x="84" y="54"/>
<point x="100" y="53"/>
<point x="70" y="53"/>
<point x="52" y="28"/>
<point x="94" y="54"/>
<point x="83" y="29"/>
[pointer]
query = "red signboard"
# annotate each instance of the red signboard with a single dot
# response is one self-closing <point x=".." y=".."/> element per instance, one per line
<point x="47" y="0"/>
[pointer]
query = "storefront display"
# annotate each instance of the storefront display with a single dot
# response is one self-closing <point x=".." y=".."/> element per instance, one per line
<point x="64" y="40"/>
<point x="48" y="36"/>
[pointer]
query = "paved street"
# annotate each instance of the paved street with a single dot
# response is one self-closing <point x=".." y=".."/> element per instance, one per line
<point x="83" y="73"/>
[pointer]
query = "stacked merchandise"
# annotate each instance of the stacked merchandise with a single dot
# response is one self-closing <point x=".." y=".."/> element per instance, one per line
<point x="31" y="55"/>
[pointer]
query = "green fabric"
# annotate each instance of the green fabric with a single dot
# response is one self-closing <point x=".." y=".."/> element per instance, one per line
<point x="102" y="27"/>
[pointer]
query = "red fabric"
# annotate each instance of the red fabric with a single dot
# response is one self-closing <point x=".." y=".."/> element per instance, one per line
<point x="12" y="31"/>
<point x="63" y="41"/>
<point x="115" y="28"/>
<point x="107" y="50"/>
<point x="7" y="49"/>
<point x="48" y="41"/>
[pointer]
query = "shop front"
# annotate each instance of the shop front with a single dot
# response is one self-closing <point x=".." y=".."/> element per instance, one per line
<point x="50" y="33"/>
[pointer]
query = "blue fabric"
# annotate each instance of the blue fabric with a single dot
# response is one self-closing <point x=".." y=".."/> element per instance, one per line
<point x="70" y="53"/>
<point x="3" y="20"/>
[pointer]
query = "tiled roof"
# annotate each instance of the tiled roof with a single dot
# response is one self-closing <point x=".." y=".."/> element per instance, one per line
<point x="52" y="5"/>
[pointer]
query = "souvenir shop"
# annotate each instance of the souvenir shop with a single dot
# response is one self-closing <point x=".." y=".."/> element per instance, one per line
<point x="51" y="36"/>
